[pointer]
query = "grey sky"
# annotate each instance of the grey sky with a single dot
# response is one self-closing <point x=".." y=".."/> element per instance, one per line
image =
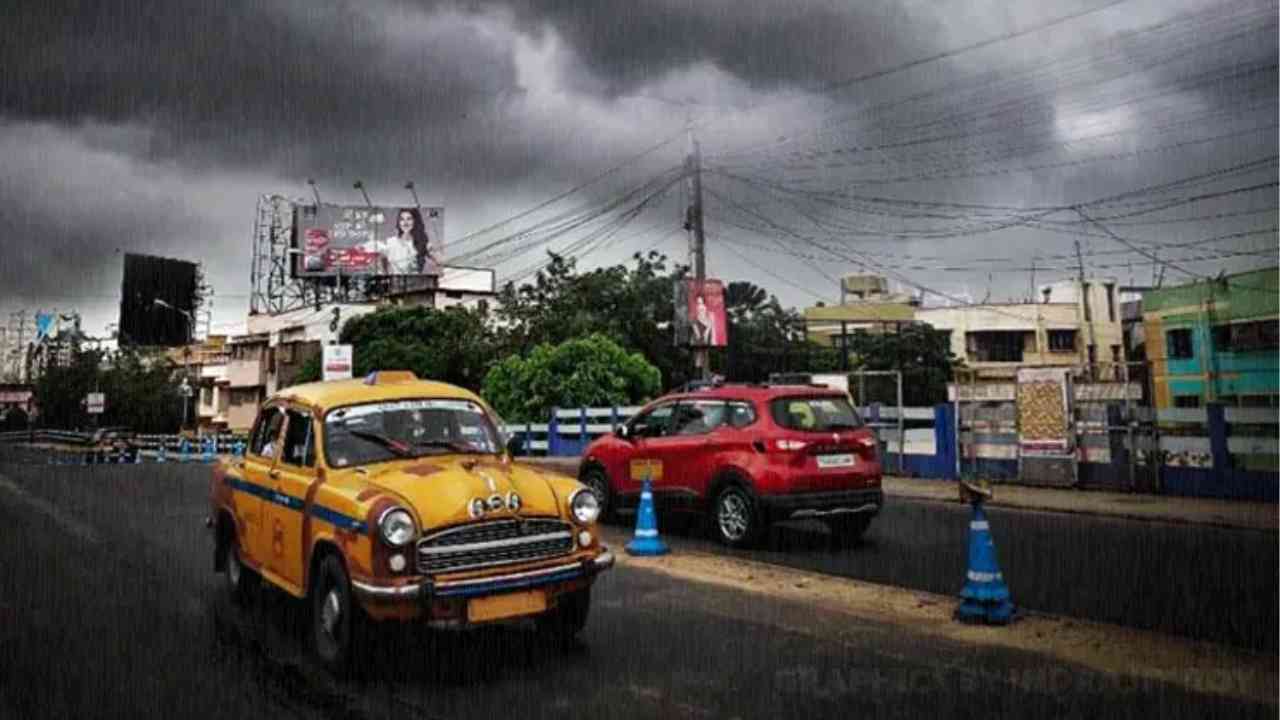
<point x="153" y="127"/>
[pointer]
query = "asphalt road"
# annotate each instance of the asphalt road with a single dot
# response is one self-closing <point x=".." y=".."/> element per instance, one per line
<point x="109" y="608"/>
<point x="1208" y="583"/>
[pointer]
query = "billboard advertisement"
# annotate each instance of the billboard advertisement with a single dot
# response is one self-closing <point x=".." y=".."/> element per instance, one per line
<point x="700" y="316"/>
<point x="157" y="301"/>
<point x="333" y="240"/>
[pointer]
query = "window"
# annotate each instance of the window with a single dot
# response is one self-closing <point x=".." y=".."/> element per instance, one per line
<point x="1186" y="401"/>
<point x="1221" y="338"/>
<point x="1256" y="335"/>
<point x="816" y="414"/>
<point x="1178" y="343"/>
<point x="1084" y="300"/>
<point x="653" y="423"/>
<point x="1062" y="341"/>
<point x="741" y="414"/>
<point x="266" y="431"/>
<point x="697" y="417"/>
<point x="299" y="447"/>
<point x="1111" y="301"/>
<point x="996" y="345"/>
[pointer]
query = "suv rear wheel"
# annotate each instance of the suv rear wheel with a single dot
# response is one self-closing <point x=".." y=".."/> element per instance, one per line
<point x="735" y="518"/>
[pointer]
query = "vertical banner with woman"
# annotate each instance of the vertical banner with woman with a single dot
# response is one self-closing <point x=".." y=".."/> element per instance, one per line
<point x="338" y="240"/>
<point x="700" y="317"/>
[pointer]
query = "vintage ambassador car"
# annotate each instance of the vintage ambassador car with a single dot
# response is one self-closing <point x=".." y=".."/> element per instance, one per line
<point x="394" y="498"/>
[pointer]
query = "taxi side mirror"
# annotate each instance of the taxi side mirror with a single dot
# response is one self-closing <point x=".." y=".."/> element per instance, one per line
<point x="515" y="445"/>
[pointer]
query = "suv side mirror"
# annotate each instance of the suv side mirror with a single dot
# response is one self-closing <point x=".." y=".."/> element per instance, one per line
<point x="515" y="445"/>
<point x="622" y="432"/>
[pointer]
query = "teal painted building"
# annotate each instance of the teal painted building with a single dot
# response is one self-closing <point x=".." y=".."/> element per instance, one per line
<point x="1215" y="341"/>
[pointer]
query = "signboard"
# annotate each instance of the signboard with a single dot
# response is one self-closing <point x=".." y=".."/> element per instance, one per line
<point x="333" y="240"/>
<point x="700" y="317"/>
<point x="95" y="403"/>
<point x="336" y="362"/>
<point x="1044" y="411"/>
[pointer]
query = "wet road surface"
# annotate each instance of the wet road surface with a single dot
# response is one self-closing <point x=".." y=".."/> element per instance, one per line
<point x="109" y="608"/>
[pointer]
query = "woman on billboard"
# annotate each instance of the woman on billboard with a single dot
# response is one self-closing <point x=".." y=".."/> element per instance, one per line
<point x="408" y="252"/>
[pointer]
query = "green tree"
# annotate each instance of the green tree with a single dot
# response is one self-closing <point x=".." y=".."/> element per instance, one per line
<point x="922" y="353"/>
<point x="632" y="305"/>
<point x="141" y="391"/>
<point x="454" y="345"/>
<point x="590" y="371"/>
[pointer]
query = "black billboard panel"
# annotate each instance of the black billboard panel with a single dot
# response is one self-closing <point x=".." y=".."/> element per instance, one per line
<point x="158" y="301"/>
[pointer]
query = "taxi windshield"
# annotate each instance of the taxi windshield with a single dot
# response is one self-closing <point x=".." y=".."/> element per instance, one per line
<point x="377" y="432"/>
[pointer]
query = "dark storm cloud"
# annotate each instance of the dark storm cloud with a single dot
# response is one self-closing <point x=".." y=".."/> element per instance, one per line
<point x="625" y="44"/>
<point x="243" y="83"/>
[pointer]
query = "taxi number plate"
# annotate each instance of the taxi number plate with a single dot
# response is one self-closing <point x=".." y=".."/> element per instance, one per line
<point x="831" y="461"/>
<point x="498" y="607"/>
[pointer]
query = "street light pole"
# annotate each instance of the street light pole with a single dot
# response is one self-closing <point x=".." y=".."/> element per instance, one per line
<point x="186" y="356"/>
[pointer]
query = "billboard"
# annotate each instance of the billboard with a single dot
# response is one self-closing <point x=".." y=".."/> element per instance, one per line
<point x="699" y="313"/>
<point x="157" y="301"/>
<point x="339" y="240"/>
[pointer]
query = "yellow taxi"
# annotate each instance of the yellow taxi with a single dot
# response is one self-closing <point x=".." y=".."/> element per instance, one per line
<point x="394" y="498"/>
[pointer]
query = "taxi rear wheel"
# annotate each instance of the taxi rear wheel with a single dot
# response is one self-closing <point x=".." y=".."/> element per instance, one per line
<point x="241" y="581"/>
<point x="335" y="618"/>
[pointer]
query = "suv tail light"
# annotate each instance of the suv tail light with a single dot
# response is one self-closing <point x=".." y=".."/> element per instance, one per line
<point x="866" y="447"/>
<point x="788" y="445"/>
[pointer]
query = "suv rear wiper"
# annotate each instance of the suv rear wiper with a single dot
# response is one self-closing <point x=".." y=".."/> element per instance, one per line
<point x="391" y="444"/>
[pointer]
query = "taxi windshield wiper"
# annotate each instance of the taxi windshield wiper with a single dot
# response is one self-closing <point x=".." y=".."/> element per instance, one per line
<point x="391" y="444"/>
<point x="458" y="446"/>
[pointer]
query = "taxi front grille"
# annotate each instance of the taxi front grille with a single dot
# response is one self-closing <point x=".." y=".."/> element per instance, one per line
<point x="494" y="543"/>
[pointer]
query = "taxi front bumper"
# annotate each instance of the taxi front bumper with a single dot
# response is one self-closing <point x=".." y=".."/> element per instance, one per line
<point x="486" y="585"/>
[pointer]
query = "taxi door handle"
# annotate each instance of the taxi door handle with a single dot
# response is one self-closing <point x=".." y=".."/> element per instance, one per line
<point x="274" y="474"/>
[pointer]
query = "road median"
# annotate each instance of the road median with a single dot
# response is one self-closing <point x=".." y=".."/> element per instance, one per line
<point x="1118" y="655"/>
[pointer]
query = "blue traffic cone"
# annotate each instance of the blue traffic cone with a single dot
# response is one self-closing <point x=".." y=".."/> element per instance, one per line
<point x="646" y="541"/>
<point x="985" y="596"/>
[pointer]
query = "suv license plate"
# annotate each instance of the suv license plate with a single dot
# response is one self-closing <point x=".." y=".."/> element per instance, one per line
<point x="832" y="461"/>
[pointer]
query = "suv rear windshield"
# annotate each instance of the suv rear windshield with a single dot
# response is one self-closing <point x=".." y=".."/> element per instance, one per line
<point x="815" y="414"/>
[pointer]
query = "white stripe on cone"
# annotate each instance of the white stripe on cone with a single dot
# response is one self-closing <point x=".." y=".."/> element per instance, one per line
<point x="976" y="576"/>
<point x="979" y="525"/>
<point x="646" y="533"/>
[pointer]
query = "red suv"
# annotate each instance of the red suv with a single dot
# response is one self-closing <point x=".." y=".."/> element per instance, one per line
<point x="748" y="454"/>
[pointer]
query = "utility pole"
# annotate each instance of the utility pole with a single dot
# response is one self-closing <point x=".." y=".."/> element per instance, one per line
<point x="1091" y="350"/>
<point x="697" y="238"/>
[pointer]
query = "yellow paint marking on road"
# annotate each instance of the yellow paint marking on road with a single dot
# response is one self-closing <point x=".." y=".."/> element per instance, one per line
<point x="1110" y="650"/>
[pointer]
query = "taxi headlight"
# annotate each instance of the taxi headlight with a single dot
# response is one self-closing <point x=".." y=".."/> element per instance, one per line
<point x="584" y="506"/>
<point x="397" y="527"/>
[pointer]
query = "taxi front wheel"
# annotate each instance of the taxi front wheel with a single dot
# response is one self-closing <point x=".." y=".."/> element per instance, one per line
<point x="335" y="619"/>
<point x="568" y="618"/>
